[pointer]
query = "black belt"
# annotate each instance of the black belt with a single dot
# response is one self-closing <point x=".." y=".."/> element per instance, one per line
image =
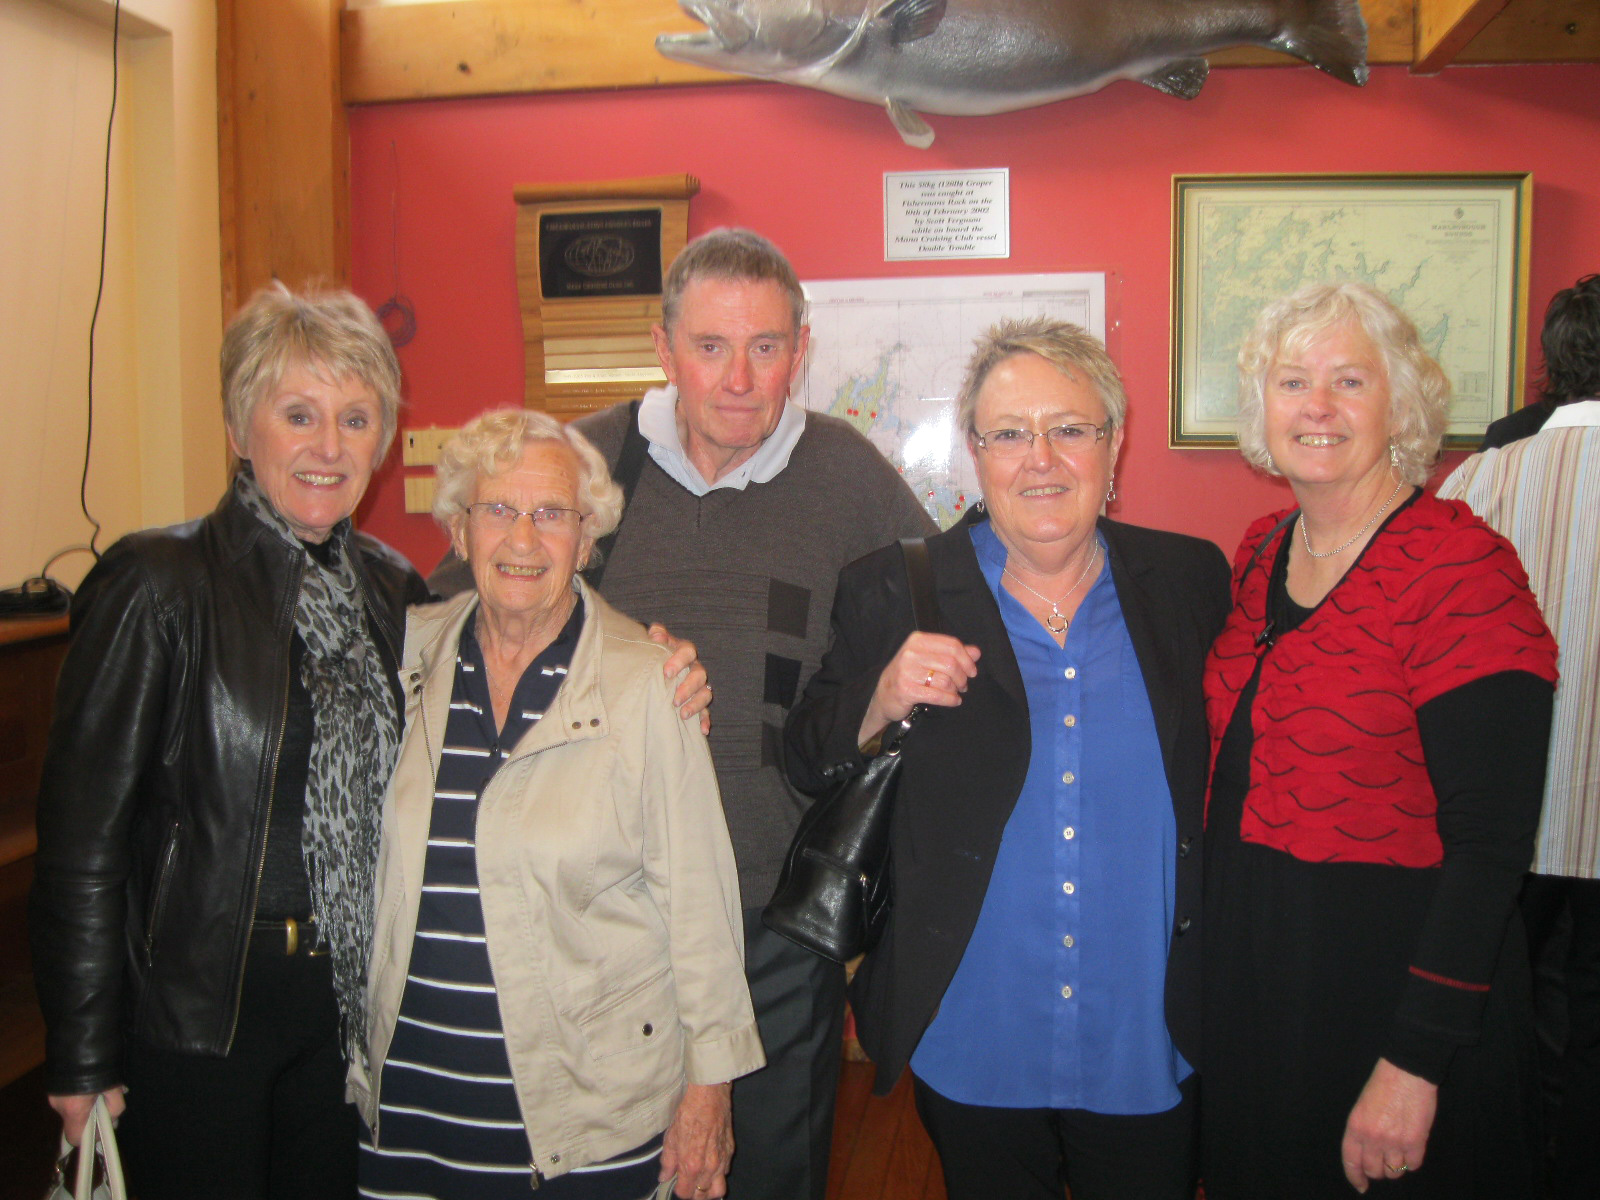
<point x="290" y="936"/>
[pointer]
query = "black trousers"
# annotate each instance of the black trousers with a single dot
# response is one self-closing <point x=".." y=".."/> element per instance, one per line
<point x="267" y="1122"/>
<point x="1573" y="1054"/>
<point x="1034" y="1153"/>
<point x="783" y="1113"/>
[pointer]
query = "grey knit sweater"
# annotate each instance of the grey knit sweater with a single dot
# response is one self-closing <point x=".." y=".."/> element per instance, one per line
<point x="749" y="577"/>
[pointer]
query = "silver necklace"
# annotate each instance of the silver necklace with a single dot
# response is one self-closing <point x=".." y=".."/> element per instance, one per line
<point x="1055" y="605"/>
<point x="1306" y="537"/>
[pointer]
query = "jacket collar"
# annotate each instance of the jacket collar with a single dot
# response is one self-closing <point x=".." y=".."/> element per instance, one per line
<point x="427" y="671"/>
<point x="241" y="536"/>
<point x="967" y="594"/>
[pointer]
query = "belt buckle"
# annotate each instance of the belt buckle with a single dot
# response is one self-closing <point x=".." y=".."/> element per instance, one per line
<point x="311" y="948"/>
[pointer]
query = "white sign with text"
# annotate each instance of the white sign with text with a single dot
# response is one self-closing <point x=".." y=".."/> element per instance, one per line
<point x="946" y="214"/>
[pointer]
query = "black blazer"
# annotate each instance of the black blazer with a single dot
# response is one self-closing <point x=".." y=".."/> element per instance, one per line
<point x="965" y="766"/>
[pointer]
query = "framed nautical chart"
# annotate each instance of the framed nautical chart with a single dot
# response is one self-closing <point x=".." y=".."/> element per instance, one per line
<point x="1450" y="250"/>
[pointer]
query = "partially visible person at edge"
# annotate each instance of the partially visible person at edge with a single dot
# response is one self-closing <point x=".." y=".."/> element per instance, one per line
<point x="225" y="723"/>
<point x="1040" y="968"/>
<point x="557" y="995"/>
<point x="1543" y="493"/>
<point x="1380" y="707"/>
<point x="1565" y="339"/>
<point x="745" y="507"/>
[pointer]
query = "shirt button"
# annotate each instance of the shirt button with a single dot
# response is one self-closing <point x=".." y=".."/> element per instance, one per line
<point x="1069" y="777"/>
<point x="1066" y="993"/>
<point x="1069" y="833"/>
<point x="1069" y="887"/>
<point x="1071" y="672"/>
<point x="1069" y="720"/>
<point x="1069" y="942"/>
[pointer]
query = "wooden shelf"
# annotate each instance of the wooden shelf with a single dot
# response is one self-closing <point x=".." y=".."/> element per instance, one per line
<point x="21" y="1030"/>
<point x="16" y="630"/>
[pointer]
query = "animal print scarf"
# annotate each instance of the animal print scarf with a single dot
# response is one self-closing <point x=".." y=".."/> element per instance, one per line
<point x="353" y="751"/>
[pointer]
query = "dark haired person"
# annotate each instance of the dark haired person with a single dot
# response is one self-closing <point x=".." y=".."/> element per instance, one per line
<point x="1571" y="344"/>
<point x="1543" y="493"/>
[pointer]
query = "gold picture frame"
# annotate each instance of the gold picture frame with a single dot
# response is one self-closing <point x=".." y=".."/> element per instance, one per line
<point x="1449" y="249"/>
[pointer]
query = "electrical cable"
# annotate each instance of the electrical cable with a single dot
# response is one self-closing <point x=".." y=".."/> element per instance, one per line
<point x="40" y="593"/>
<point x="100" y="290"/>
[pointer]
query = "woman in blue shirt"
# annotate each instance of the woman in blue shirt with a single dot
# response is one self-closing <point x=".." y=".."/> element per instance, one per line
<point x="1040" y="970"/>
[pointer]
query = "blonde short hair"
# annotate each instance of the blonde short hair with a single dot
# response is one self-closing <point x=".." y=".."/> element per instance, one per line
<point x="492" y="442"/>
<point x="1070" y="349"/>
<point x="1419" y="392"/>
<point x="332" y="334"/>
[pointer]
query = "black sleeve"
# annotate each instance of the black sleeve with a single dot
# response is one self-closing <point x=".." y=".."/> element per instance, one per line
<point x="871" y="618"/>
<point x="111" y="702"/>
<point x="1486" y="744"/>
<point x="1214" y="591"/>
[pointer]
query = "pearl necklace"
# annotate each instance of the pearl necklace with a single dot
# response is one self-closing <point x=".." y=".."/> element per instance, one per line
<point x="1055" y="605"/>
<point x="1306" y="537"/>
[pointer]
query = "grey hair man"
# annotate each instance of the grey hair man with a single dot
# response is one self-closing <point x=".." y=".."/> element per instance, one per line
<point x="742" y="507"/>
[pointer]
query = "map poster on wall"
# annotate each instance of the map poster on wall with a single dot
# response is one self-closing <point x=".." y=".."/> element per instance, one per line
<point x="888" y="355"/>
<point x="1449" y="250"/>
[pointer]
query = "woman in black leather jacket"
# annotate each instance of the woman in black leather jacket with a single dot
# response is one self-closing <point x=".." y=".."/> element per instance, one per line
<point x="225" y="723"/>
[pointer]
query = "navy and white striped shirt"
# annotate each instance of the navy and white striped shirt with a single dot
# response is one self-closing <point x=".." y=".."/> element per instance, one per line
<point x="451" y="1123"/>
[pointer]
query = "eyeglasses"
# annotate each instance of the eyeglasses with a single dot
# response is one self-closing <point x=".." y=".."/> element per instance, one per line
<point x="1063" y="439"/>
<point x="501" y="517"/>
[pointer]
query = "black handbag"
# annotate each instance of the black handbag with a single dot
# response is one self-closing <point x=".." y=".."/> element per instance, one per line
<point x="834" y="894"/>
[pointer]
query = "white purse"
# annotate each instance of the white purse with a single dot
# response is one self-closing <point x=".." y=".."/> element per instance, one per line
<point x="98" y="1149"/>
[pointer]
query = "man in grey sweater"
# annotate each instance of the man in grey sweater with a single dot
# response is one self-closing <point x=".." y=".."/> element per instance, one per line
<point x="744" y="511"/>
<point x="744" y="508"/>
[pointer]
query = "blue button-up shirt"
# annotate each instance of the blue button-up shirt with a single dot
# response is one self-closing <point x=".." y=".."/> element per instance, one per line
<point x="1058" y="1001"/>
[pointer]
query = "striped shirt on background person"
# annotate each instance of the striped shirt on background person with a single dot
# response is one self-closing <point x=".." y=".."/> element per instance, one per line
<point x="1543" y="494"/>
<point x="451" y="1123"/>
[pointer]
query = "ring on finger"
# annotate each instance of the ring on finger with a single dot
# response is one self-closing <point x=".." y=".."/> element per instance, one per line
<point x="928" y="682"/>
<point x="1400" y="1170"/>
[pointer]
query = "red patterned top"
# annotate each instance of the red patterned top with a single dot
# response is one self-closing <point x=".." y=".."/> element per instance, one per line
<point x="1337" y="774"/>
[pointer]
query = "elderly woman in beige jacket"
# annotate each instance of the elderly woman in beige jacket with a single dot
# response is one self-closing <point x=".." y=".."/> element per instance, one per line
<point x="557" y="996"/>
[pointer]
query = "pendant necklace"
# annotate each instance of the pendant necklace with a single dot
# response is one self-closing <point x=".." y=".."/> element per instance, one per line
<point x="1306" y="537"/>
<point x="1055" y="605"/>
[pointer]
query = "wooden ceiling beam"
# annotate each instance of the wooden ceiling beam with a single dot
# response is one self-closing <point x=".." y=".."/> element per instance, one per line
<point x="497" y="47"/>
<point x="500" y="47"/>
<point x="1444" y="27"/>
<point x="1538" y="31"/>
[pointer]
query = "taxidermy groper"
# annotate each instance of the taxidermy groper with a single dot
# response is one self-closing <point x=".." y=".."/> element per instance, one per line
<point x="973" y="57"/>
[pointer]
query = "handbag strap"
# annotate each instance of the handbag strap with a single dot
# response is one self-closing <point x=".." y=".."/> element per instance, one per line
<point x="630" y="465"/>
<point x="919" y="573"/>
<point x="97" y="1145"/>
<point x="925" y="614"/>
<point x="1265" y="542"/>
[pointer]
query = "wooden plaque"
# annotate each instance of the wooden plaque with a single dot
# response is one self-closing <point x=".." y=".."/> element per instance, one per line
<point x="590" y="260"/>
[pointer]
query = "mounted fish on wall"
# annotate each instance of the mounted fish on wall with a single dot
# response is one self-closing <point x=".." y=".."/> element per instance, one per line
<point x="975" y="57"/>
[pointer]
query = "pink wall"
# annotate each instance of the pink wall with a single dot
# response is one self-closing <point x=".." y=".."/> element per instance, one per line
<point x="1090" y="186"/>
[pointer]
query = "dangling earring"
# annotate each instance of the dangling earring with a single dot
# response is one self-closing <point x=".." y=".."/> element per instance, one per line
<point x="1111" y="493"/>
<point x="977" y="506"/>
<point x="1394" y="456"/>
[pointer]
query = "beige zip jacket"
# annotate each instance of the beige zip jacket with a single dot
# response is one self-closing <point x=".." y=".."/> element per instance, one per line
<point x="610" y="897"/>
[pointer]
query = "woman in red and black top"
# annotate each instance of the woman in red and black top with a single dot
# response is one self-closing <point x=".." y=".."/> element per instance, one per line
<point x="1380" y="705"/>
